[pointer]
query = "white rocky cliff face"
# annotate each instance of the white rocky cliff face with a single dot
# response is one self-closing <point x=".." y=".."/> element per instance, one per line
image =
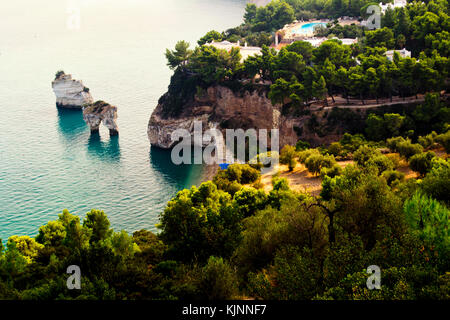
<point x="99" y="112"/>
<point x="70" y="93"/>
<point x="218" y="107"/>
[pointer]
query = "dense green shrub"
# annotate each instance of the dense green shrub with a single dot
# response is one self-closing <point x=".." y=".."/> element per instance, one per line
<point x="431" y="220"/>
<point x="304" y="155"/>
<point x="231" y="179"/>
<point x="382" y="127"/>
<point x="381" y="163"/>
<point x="392" y="143"/>
<point x="408" y="149"/>
<point x="332" y="172"/>
<point x="271" y="229"/>
<point x="302" y="145"/>
<point x="316" y="162"/>
<point x="200" y="222"/>
<point x="401" y="283"/>
<point x="444" y="140"/>
<point x="395" y="159"/>
<point x="248" y="200"/>
<point x="422" y="162"/>
<point x="249" y="174"/>
<point x="436" y="182"/>
<point x="428" y="140"/>
<point x="336" y="149"/>
<point x="364" y="154"/>
<point x="287" y="156"/>
<point x="218" y="280"/>
<point x="351" y="143"/>
<point x="292" y="276"/>
<point x="393" y="177"/>
<point x="280" y="184"/>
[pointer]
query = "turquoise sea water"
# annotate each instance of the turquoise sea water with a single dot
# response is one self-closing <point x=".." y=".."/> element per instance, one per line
<point x="48" y="160"/>
<point x="309" y="27"/>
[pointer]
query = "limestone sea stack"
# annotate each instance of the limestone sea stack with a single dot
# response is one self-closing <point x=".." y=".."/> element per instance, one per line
<point x="70" y="93"/>
<point x="98" y="112"/>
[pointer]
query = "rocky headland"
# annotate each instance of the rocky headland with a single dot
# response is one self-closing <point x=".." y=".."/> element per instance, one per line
<point x="223" y="108"/>
<point x="217" y="107"/>
<point x="70" y="93"/>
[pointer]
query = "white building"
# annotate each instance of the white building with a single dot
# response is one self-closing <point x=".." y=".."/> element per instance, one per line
<point x="316" y="42"/>
<point x="396" y="4"/>
<point x="348" y="41"/>
<point x="246" y="51"/>
<point x="403" y="53"/>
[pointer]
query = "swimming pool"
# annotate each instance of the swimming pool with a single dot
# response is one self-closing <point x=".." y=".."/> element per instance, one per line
<point x="308" y="28"/>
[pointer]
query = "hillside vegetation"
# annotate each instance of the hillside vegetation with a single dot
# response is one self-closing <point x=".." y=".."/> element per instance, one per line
<point x="383" y="188"/>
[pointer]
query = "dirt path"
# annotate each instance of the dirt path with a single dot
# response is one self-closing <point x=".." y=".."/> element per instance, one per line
<point x="341" y="103"/>
<point x="299" y="179"/>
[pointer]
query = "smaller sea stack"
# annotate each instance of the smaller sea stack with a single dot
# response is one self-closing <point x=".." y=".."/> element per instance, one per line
<point x="100" y="111"/>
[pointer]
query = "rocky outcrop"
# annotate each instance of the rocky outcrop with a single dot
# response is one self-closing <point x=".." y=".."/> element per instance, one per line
<point x="70" y="93"/>
<point x="222" y="108"/>
<point x="99" y="112"/>
<point x="218" y="107"/>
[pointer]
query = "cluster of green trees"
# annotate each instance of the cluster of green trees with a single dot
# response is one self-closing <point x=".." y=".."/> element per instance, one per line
<point x="405" y="147"/>
<point x="280" y="12"/>
<point x="390" y="130"/>
<point x="229" y="239"/>
<point x="300" y="74"/>
<point x="420" y="26"/>
<point x="377" y="124"/>
<point x="335" y="71"/>
<point x="433" y="114"/>
<point x="335" y="29"/>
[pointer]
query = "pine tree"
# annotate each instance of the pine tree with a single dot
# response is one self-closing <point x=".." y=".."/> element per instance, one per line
<point x="320" y="89"/>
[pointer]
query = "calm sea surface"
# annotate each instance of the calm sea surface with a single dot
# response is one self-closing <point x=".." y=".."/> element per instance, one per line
<point x="48" y="161"/>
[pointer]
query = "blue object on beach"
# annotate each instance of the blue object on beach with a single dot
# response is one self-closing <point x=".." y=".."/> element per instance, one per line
<point x="224" y="166"/>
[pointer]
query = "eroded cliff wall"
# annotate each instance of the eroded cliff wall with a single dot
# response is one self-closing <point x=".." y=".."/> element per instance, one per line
<point x="217" y="107"/>
<point x="222" y="108"/>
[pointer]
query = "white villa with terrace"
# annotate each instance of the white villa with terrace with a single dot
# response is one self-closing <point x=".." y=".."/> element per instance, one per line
<point x="403" y="53"/>
<point x="317" y="41"/>
<point x="246" y="51"/>
<point x="396" y="4"/>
